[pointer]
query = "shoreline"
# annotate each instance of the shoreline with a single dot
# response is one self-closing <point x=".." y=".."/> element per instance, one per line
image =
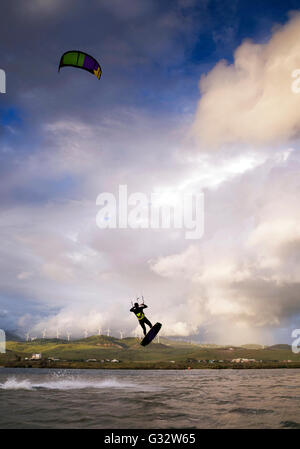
<point x="149" y="366"/>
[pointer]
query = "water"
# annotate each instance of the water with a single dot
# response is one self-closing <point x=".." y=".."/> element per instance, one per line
<point x="121" y="399"/>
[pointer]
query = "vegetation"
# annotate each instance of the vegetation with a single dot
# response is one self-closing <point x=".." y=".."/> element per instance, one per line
<point x="99" y="351"/>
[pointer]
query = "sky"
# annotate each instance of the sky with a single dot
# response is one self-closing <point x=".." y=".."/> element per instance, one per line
<point x="195" y="97"/>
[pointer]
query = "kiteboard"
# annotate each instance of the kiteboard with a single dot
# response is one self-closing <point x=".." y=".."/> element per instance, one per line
<point x="151" y="334"/>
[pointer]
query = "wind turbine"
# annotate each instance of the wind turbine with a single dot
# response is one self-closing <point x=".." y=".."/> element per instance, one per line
<point x="44" y="333"/>
<point x="99" y="331"/>
<point x="121" y="334"/>
<point x="27" y="336"/>
<point x="68" y="336"/>
<point x="57" y="334"/>
<point x="108" y="331"/>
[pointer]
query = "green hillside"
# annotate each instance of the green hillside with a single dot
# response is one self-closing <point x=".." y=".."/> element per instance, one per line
<point x="130" y="354"/>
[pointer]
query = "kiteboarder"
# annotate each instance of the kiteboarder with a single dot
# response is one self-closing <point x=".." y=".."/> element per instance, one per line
<point x="138" y="311"/>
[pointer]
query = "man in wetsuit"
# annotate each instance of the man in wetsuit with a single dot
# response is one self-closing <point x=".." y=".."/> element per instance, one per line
<point x="138" y="311"/>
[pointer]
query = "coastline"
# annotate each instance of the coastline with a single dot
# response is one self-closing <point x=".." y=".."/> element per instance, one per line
<point x="149" y="366"/>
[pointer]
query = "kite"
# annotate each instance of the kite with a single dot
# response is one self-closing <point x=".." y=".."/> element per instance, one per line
<point x="81" y="60"/>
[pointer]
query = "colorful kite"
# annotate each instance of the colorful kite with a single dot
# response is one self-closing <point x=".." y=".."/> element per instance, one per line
<point x="82" y="61"/>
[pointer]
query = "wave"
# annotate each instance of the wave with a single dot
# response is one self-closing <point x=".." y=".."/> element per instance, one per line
<point x="290" y="424"/>
<point x="13" y="384"/>
<point x="250" y="411"/>
<point x="68" y="383"/>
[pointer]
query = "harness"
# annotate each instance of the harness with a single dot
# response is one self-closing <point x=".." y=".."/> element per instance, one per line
<point x="140" y="316"/>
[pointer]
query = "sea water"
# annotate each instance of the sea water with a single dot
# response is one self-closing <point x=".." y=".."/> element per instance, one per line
<point x="149" y="399"/>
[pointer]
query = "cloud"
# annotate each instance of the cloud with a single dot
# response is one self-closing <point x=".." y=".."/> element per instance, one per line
<point x="40" y="8"/>
<point x="3" y="313"/>
<point x="237" y="277"/>
<point x="77" y="137"/>
<point x="135" y="8"/>
<point x="242" y="278"/>
<point x="250" y="101"/>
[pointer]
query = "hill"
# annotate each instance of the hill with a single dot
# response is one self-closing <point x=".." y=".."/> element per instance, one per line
<point x="252" y="346"/>
<point x="130" y="354"/>
<point x="276" y="347"/>
<point x="10" y="335"/>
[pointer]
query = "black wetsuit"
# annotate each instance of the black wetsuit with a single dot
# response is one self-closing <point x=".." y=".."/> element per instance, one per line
<point x="141" y="317"/>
